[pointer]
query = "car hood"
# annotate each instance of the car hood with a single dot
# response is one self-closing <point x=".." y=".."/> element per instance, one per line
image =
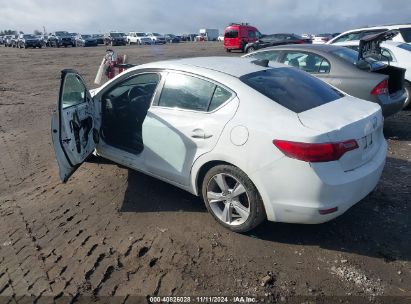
<point x="370" y="44"/>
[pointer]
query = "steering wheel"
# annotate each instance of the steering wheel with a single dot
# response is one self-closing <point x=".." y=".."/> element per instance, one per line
<point x="135" y="92"/>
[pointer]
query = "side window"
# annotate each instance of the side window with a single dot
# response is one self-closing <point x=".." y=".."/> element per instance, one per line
<point x="387" y="55"/>
<point x="251" y="34"/>
<point x="220" y="96"/>
<point x="74" y="92"/>
<point x="137" y="86"/>
<point x="191" y="93"/>
<point x="308" y="62"/>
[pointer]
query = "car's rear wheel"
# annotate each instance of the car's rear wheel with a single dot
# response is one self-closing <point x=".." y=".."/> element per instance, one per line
<point x="407" y="87"/>
<point x="232" y="199"/>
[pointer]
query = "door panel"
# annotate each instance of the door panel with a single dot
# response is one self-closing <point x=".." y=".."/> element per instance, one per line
<point x="73" y="124"/>
<point x="174" y="139"/>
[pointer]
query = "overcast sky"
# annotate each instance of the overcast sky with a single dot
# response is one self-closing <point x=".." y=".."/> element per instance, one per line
<point x="188" y="16"/>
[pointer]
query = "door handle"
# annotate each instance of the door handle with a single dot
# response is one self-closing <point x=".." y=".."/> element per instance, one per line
<point x="199" y="133"/>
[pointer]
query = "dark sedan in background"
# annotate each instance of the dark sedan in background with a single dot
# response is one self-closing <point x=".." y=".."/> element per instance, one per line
<point x="275" y="39"/>
<point x="85" y="40"/>
<point x="99" y="38"/>
<point x="339" y="66"/>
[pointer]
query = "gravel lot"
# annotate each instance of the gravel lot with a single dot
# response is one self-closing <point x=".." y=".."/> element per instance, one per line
<point x="113" y="231"/>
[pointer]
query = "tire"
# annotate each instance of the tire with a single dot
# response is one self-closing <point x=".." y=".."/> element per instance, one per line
<point x="250" y="50"/>
<point x="407" y="102"/>
<point x="228" y="50"/>
<point x="248" y="199"/>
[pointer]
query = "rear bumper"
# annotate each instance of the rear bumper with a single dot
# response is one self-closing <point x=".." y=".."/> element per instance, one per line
<point x="391" y="104"/>
<point x="294" y="191"/>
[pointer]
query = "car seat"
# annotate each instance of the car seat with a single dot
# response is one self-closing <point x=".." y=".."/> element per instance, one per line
<point x="310" y="63"/>
<point x="294" y="62"/>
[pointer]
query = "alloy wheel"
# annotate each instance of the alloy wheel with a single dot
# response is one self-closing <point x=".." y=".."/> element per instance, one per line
<point x="228" y="199"/>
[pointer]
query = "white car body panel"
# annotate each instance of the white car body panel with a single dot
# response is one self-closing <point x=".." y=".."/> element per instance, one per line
<point x="397" y="38"/>
<point x="243" y="130"/>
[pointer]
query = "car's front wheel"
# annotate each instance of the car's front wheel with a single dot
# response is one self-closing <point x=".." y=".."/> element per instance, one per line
<point x="232" y="199"/>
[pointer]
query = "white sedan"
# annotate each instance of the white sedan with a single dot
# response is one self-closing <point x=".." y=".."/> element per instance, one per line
<point x="254" y="141"/>
<point x="396" y="54"/>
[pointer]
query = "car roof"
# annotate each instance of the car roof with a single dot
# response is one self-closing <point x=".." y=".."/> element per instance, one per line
<point x="325" y="48"/>
<point x="236" y="67"/>
<point x="388" y="26"/>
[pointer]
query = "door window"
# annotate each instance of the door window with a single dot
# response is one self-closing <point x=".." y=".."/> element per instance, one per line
<point x="74" y="91"/>
<point x="191" y="93"/>
<point x="124" y="109"/>
<point x="308" y="62"/>
<point x="251" y="34"/>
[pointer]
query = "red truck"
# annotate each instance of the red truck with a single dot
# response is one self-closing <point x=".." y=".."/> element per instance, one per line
<point x="237" y="35"/>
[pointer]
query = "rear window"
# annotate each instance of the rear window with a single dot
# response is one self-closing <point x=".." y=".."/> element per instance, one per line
<point x="291" y="88"/>
<point x="231" y="34"/>
<point x="406" y="34"/>
<point x="347" y="54"/>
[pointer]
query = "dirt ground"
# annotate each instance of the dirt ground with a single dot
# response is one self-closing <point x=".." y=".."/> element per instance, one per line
<point x="113" y="231"/>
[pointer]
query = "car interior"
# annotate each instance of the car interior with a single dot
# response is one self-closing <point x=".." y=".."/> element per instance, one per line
<point x="124" y="109"/>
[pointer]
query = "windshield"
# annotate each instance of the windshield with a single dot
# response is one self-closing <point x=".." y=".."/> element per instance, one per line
<point x="406" y="34"/>
<point x="156" y="34"/>
<point x="140" y="34"/>
<point x="291" y="88"/>
<point x="98" y="35"/>
<point x="28" y="36"/>
<point x="85" y="36"/>
<point x="117" y="34"/>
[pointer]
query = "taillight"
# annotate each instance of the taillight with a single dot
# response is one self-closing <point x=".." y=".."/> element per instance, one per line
<point x="315" y="152"/>
<point x="381" y="88"/>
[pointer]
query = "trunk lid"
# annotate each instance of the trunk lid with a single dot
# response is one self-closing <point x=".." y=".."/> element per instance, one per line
<point x="370" y="44"/>
<point x="345" y="119"/>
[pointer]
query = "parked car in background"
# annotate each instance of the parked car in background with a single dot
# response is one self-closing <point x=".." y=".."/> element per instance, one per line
<point x="99" y="38"/>
<point x="7" y="40"/>
<point x="25" y="41"/>
<point x="1" y="40"/>
<point x="238" y="35"/>
<point x="85" y="40"/>
<point x="341" y="67"/>
<point x="63" y="38"/>
<point x="207" y="35"/>
<point x="321" y="38"/>
<point x="275" y="39"/>
<point x="188" y="37"/>
<point x="234" y="136"/>
<point x="395" y="54"/>
<point x="220" y="38"/>
<point x="307" y="36"/>
<point x="357" y="34"/>
<point x="14" y="41"/>
<point x="138" y="38"/>
<point x="156" y="38"/>
<point x="115" y="38"/>
<point x="171" y="38"/>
